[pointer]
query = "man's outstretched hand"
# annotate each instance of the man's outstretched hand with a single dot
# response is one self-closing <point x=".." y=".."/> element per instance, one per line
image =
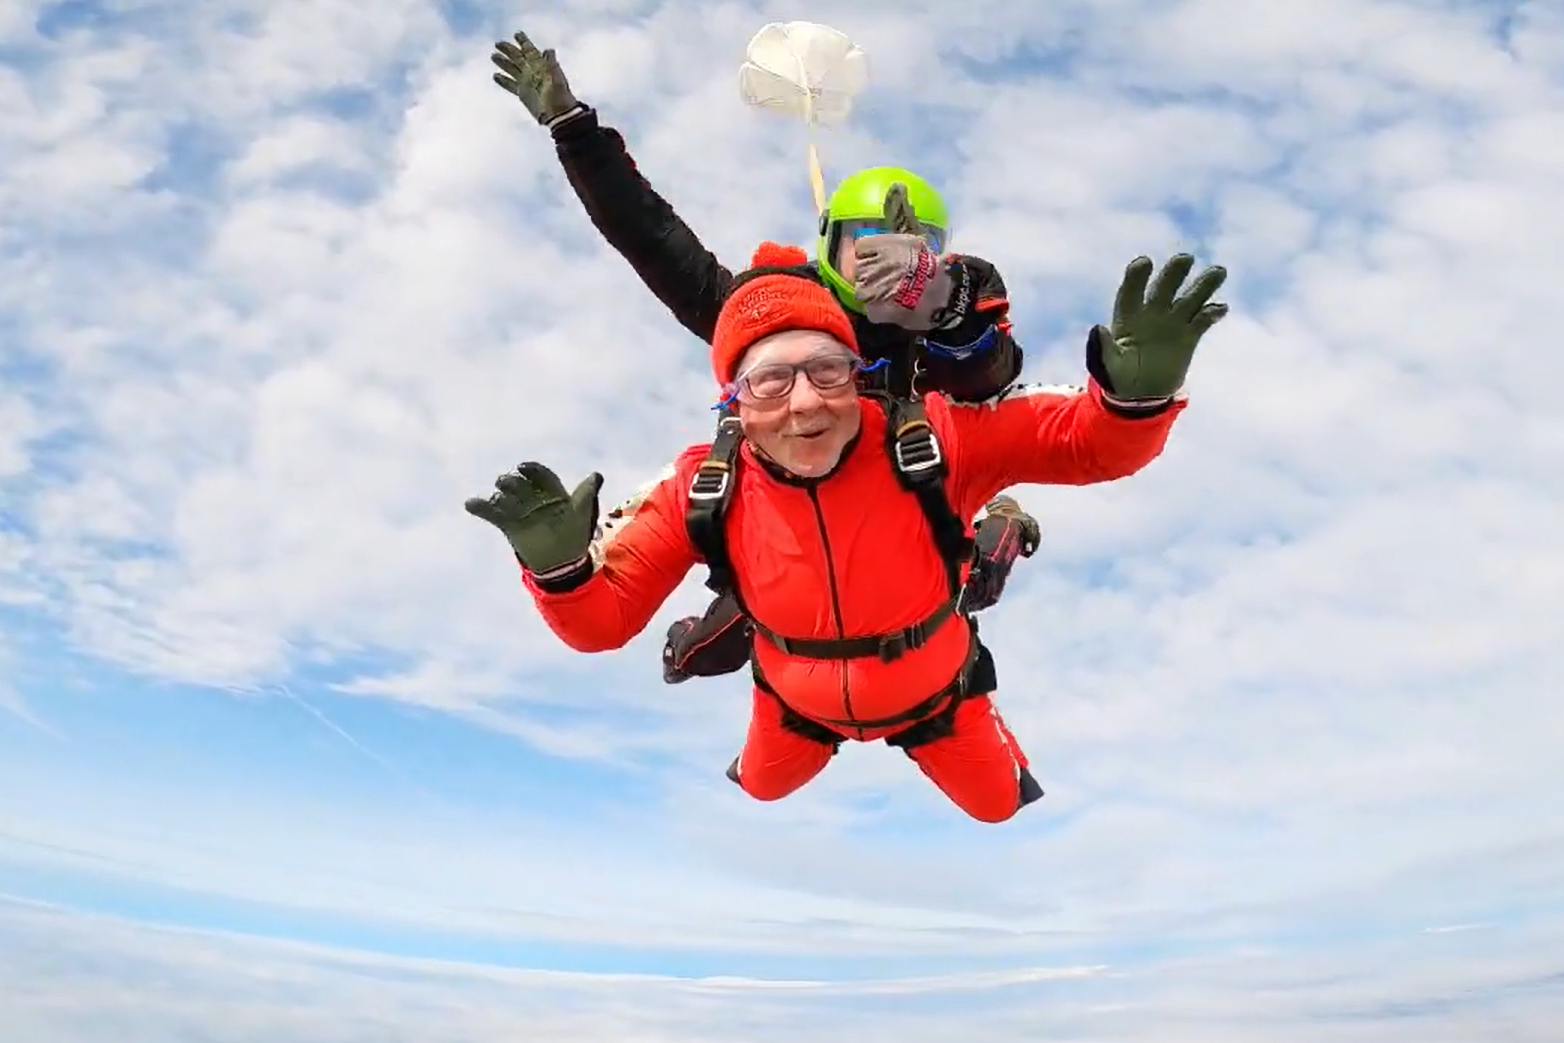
<point x="546" y="527"/>
<point x="1148" y="346"/>
<point x="535" y="77"/>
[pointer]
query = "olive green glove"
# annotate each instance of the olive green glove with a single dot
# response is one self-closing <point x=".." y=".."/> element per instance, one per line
<point x="1147" y="349"/>
<point x="535" y="77"/>
<point x="548" y="529"/>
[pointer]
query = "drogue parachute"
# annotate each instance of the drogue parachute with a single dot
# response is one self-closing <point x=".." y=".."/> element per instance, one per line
<point x="808" y="70"/>
<point x="805" y="69"/>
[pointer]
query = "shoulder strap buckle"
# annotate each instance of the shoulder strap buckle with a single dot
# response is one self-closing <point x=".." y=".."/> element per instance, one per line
<point x="714" y="476"/>
<point x="711" y="488"/>
<point x="915" y="448"/>
<point x="711" y="480"/>
<point x="920" y="468"/>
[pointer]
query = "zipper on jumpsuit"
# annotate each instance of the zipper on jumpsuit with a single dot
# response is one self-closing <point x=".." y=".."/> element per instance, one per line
<point x="836" y="601"/>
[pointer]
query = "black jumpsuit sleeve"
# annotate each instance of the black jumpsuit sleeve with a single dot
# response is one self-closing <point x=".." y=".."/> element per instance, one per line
<point x="637" y="222"/>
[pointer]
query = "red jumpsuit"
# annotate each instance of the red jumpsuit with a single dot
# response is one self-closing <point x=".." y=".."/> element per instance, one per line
<point x="850" y="555"/>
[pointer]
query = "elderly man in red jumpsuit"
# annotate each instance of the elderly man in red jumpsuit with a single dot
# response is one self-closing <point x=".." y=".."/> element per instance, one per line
<point x="832" y="550"/>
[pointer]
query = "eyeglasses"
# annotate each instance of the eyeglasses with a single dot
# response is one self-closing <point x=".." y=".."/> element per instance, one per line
<point x="774" y="380"/>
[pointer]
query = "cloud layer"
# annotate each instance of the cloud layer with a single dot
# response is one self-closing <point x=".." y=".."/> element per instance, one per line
<point x="281" y="284"/>
<point x="90" y="980"/>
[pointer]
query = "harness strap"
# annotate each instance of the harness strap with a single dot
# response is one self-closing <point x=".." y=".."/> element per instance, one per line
<point x="967" y="682"/>
<point x="887" y="647"/>
<point x="711" y="490"/>
<point x="920" y="468"/>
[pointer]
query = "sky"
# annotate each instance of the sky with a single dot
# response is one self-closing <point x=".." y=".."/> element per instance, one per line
<point x="286" y="752"/>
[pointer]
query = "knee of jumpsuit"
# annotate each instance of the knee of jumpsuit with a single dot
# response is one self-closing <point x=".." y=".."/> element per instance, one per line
<point x="978" y="766"/>
<point x="775" y="761"/>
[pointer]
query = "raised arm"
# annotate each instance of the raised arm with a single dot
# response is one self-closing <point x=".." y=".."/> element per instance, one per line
<point x="596" y="585"/>
<point x="1046" y="436"/>
<point x="639" y="557"/>
<point x="637" y="222"/>
<point x="1115" y="425"/>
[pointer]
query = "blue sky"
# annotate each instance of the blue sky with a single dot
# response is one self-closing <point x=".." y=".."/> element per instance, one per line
<point x="282" y="284"/>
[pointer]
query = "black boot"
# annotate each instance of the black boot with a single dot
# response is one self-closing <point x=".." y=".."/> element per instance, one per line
<point x="1031" y="792"/>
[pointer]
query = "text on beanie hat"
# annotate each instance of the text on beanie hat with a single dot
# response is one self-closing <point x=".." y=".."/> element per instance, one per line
<point x="764" y="302"/>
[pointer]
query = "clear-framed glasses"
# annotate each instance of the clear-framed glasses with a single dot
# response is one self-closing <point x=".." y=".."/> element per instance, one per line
<point x="773" y="381"/>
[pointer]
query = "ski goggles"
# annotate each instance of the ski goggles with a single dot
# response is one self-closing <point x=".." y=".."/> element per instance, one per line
<point x="858" y="228"/>
<point x="962" y="352"/>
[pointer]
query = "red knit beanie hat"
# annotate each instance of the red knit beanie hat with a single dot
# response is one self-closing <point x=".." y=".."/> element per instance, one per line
<point x="770" y="302"/>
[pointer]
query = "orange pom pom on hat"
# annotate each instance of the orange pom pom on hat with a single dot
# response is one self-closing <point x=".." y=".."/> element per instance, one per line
<point x="770" y="303"/>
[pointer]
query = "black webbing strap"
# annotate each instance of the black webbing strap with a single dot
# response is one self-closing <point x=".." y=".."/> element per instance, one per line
<point x="958" y="688"/>
<point x="711" y="490"/>
<point x="886" y="647"/>
<point x="921" y="468"/>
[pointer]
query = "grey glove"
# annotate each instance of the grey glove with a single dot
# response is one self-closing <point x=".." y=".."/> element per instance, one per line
<point x="900" y="280"/>
<point x="535" y="77"/>
<point x="1147" y="349"/>
<point x="549" y="530"/>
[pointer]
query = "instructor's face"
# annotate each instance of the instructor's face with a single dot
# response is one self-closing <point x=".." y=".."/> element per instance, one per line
<point x="846" y="260"/>
<point x="806" y="429"/>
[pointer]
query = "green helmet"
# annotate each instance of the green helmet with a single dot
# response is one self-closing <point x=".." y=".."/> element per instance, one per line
<point x="857" y="208"/>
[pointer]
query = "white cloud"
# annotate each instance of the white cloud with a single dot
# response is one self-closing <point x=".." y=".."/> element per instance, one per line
<point x="109" y="980"/>
<point x="1313" y="649"/>
<point x="19" y="425"/>
<point x="10" y="701"/>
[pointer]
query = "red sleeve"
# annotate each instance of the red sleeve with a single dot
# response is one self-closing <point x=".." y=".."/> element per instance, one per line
<point x="641" y="555"/>
<point x="1046" y="436"/>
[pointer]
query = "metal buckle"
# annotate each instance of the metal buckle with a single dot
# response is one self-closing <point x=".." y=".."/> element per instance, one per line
<point x="721" y="474"/>
<point x="936" y="457"/>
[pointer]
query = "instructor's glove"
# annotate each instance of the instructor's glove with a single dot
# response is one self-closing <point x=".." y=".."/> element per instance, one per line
<point x="1146" y="351"/>
<point x="535" y="77"/>
<point x="549" y="530"/>
<point x="1005" y="533"/>
<point x="901" y="281"/>
<point x="710" y="645"/>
